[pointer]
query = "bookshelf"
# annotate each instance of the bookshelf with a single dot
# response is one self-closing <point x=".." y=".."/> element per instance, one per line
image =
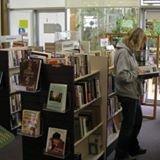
<point x="113" y="111"/>
<point x="10" y="99"/>
<point x="113" y="108"/>
<point x="34" y="146"/>
<point x="83" y="145"/>
<point x="61" y="75"/>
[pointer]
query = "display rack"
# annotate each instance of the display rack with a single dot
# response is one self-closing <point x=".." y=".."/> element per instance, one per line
<point x="96" y="92"/>
<point x="98" y="71"/>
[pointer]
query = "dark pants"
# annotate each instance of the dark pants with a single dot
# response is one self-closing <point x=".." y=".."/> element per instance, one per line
<point x="130" y="127"/>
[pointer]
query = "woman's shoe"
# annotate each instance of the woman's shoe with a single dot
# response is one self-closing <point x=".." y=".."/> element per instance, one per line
<point x="140" y="151"/>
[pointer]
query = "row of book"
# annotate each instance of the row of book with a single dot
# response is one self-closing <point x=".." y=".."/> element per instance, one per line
<point x="16" y="56"/>
<point x="30" y="70"/>
<point x="111" y="83"/>
<point x="80" y="63"/>
<point x="15" y="120"/>
<point x="86" y="121"/>
<point x="113" y="106"/>
<point x="14" y="82"/>
<point x="15" y="103"/>
<point x="87" y="91"/>
<point x="114" y="125"/>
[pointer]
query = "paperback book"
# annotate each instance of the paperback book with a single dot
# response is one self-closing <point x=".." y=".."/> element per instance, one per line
<point x="31" y="123"/>
<point x="148" y="71"/>
<point x="56" y="142"/>
<point x="6" y="137"/>
<point x="15" y="120"/>
<point x="29" y="74"/>
<point x="1" y="75"/>
<point x="57" y="97"/>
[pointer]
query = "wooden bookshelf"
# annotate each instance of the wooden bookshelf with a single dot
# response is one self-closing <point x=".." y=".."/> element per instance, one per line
<point x="98" y="69"/>
<point x="8" y="116"/>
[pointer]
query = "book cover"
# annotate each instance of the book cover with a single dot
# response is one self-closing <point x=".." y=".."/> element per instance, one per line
<point x="6" y="137"/>
<point x="57" y="97"/>
<point x="15" y="120"/>
<point x="15" y="103"/>
<point x="29" y="73"/>
<point x="77" y="129"/>
<point x="148" y="71"/>
<point x="56" y="141"/>
<point x="95" y="143"/>
<point x="31" y="123"/>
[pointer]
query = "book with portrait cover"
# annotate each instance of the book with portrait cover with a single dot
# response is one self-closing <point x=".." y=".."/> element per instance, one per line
<point x="56" y="142"/>
<point x="31" y="123"/>
<point x="57" y="97"/>
<point x="29" y="74"/>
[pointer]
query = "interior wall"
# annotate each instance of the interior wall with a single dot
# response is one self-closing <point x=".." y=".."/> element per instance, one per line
<point x="48" y="24"/>
<point x="30" y="4"/>
<point x="153" y="14"/>
<point x="22" y="21"/>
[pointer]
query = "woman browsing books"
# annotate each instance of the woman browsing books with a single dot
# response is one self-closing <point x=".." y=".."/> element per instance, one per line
<point x="129" y="91"/>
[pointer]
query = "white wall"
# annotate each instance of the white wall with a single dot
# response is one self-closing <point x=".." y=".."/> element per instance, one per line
<point x="49" y="18"/>
<point x="15" y="4"/>
<point x="27" y="15"/>
<point x="71" y="3"/>
<point x="102" y="3"/>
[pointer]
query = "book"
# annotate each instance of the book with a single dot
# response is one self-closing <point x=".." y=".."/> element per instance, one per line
<point x="148" y="71"/>
<point x="95" y="143"/>
<point x="6" y="137"/>
<point x="77" y="156"/>
<point x="29" y="74"/>
<point x="1" y="76"/>
<point x="56" y="141"/>
<point x="77" y="129"/>
<point x="15" y="120"/>
<point x="31" y="123"/>
<point x="15" y="103"/>
<point x="57" y="97"/>
<point x="44" y="56"/>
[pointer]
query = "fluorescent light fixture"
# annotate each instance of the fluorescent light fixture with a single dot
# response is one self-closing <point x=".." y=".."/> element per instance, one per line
<point x="151" y="2"/>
